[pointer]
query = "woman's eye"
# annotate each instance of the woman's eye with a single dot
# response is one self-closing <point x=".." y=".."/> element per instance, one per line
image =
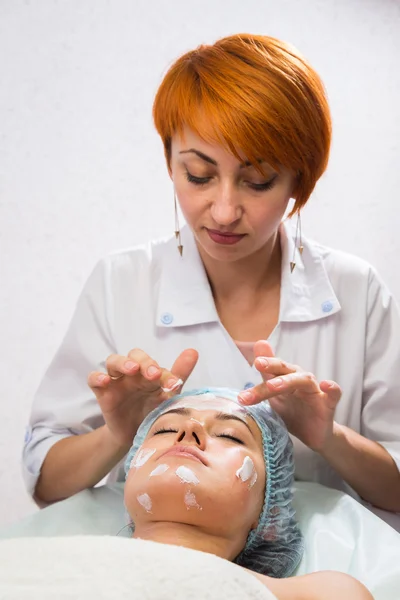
<point x="231" y="437"/>
<point x="164" y="430"/>
<point x="262" y="187"/>
<point x="197" y="180"/>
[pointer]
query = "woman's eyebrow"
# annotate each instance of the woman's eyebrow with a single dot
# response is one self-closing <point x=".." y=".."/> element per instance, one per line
<point x="178" y="411"/>
<point x="200" y="155"/>
<point x="210" y="160"/>
<point x="221" y="416"/>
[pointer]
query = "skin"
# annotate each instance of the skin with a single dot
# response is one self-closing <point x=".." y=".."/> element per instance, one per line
<point x="229" y="507"/>
<point x="227" y="197"/>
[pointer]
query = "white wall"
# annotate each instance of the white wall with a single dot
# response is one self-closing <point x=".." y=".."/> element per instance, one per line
<point x="82" y="170"/>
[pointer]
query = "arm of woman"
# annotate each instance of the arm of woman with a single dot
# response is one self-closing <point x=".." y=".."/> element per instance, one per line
<point x="368" y="461"/>
<point x="324" y="585"/>
<point x="81" y="428"/>
<point x="366" y="466"/>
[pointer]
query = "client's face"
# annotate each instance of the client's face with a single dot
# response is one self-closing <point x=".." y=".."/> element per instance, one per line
<point x="201" y="464"/>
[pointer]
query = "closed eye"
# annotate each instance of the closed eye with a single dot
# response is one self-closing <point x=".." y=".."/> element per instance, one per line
<point x="197" y="180"/>
<point x="262" y="187"/>
<point x="165" y="430"/>
<point x="231" y="437"/>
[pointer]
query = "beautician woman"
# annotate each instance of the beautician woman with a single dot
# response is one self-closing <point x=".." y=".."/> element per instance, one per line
<point x="246" y="127"/>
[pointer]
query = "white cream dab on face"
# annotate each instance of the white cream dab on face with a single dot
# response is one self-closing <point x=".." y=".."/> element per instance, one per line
<point x="246" y="470"/>
<point x="186" y="475"/>
<point x="190" y="501"/>
<point x="142" y="457"/>
<point x="253" y="479"/>
<point x="196" y="421"/>
<point x="208" y="401"/>
<point x="145" y="501"/>
<point x="159" y="470"/>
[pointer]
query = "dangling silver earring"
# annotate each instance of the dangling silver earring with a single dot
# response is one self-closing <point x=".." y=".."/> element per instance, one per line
<point x="177" y="228"/>
<point x="298" y="240"/>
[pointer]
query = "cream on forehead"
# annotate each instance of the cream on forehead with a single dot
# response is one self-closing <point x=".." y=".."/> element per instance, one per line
<point x="209" y="401"/>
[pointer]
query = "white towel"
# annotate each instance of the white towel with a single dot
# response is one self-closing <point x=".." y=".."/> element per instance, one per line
<point x="100" y="567"/>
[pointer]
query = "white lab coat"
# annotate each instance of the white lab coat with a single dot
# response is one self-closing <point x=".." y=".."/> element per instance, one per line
<point x="337" y="320"/>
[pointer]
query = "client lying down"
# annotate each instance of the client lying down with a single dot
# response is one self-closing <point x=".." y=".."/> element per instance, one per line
<point x="211" y="475"/>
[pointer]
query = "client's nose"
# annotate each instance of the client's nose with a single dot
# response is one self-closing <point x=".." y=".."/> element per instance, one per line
<point x="192" y="432"/>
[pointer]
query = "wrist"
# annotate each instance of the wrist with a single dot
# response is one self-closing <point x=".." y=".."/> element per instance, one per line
<point x="330" y="445"/>
<point x="111" y="442"/>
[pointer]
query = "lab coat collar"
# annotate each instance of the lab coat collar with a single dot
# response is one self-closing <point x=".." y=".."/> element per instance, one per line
<point x="306" y="293"/>
<point x="185" y="296"/>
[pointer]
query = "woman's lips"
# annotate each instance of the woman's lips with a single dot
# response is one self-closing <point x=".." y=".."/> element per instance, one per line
<point x="191" y="453"/>
<point x="227" y="239"/>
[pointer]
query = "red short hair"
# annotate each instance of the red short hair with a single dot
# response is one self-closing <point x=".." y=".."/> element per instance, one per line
<point x="253" y="94"/>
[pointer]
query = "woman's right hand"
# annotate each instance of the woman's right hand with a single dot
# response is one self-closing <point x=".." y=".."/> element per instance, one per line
<point x="126" y="401"/>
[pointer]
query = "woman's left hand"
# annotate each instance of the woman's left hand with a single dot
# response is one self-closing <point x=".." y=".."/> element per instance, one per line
<point x="306" y="406"/>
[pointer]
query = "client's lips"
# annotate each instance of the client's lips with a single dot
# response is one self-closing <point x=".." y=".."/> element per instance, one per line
<point x="226" y="238"/>
<point x="188" y="451"/>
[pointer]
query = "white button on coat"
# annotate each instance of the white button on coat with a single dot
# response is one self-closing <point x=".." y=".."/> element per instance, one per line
<point x="126" y="304"/>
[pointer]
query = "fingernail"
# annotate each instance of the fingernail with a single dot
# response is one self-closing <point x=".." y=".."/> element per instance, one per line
<point x="129" y="365"/>
<point x="101" y="378"/>
<point x="276" y="383"/>
<point x="152" y="370"/>
<point x="170" y="383"/>
<point x="245" y="397"/>
<point x="263" y="361"/>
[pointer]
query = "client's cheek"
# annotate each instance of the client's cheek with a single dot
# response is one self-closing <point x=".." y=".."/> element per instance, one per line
<point x="247" y="472"/>
<point x="147" y="482"/>
<point x="141" y="457"/>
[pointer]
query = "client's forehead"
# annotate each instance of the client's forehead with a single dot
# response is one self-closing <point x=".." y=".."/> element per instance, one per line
<point x="210" y="402"/>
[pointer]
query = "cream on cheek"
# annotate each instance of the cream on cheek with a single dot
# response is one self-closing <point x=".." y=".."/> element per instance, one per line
<point x="186" y="475"/>
<point x="159" y="470"/>
<point x="145" y="501"/>
<point x="247" y="472"/>
<point x="141" y="457"/>
<point x="190" y="500"/>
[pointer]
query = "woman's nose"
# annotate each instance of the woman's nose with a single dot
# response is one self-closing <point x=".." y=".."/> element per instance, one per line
<point x="192" y="432"/>
<point x="225" y="209"/>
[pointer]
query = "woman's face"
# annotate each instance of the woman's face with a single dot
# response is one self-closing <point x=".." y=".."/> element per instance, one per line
<point x="201" y="464"/>
<point x="219" y="194"/>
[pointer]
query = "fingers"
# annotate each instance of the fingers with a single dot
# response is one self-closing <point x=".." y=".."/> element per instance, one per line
<point x="333" y="392"/>
<point x="149" y="368"/>
<point x="139" y="363"/>
<point x="121" y="365"/>
<point x="263" y="348"/>
<point x="286" y="384"/>
<point x="136" y="362"/>
<point x="185" y="363"/>
<point x="274" y="367"/>
<point x="98" y="380"/>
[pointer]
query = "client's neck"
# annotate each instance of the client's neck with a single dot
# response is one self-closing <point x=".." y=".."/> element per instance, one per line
<point x="189" y="536"/>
